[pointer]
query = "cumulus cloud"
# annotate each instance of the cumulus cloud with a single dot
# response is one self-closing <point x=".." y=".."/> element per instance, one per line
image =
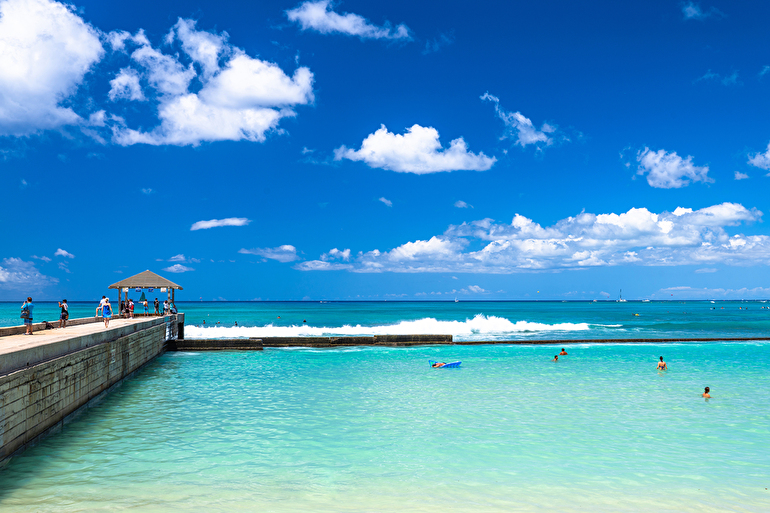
<point x="462" y="204"/>
<point x="320" y="16"/>
<point x="177" y="258"/>
<point x="637" y="237"/>
<point x="126" y="86"/>
<point x="336" y="254"/>
<point x="761" y="160"/>
<point x="740" y="176"/>
<point x="667" y="170"/>
<point x="16" y="274"/>
<point x="386" y="201"/>
<point x="238" y="97"/>
<point x="418" y="151"/>
<point x="178" y="268"/>
<point x="45" y="52"/>
<point x="284" y="253"/>
<point x="520" y="129"/>
<point x="63" y="253"/>
<point x="693" y="11"/>
<point x="216" y="223"/>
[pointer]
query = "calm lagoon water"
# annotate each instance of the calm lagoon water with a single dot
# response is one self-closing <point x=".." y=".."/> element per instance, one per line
<point x="376" y="429"/>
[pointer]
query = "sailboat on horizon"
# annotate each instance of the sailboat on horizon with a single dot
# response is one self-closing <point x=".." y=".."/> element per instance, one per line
<point x="620" y="297"/>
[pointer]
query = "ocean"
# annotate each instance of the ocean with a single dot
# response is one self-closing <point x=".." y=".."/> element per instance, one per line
<point x="377" y="429"/>
<point x="504" y="320"/>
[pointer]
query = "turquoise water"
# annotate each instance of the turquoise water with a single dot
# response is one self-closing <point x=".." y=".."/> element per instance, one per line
<point x="464" y="320"/>
<point x="376" y="429"/>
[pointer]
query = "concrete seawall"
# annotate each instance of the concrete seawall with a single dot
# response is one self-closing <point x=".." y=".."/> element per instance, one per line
<point x="46" y="379"/>
<point x="260" y="343"/>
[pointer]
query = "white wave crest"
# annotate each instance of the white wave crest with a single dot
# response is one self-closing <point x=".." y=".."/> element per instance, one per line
<point x="479" y="328"/>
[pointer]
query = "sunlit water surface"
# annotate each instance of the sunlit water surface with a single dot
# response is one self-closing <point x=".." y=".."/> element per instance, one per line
<point x="376" y="429"/>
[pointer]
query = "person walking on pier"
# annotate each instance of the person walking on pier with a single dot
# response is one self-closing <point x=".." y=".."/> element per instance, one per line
<point x="26" y="314"/>
<point x="107" y="312"/>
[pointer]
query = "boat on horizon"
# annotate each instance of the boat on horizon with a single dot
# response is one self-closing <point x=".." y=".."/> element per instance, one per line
<point x="620" y="297"/>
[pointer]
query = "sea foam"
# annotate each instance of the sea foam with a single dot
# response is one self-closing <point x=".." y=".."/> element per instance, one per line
<point x="479" y="327"/>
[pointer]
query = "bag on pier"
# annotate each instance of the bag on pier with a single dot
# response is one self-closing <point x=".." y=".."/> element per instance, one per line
<point x="25" y="313"/>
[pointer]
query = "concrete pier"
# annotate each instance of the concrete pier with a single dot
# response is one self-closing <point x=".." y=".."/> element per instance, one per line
<point x="48" y="377"/>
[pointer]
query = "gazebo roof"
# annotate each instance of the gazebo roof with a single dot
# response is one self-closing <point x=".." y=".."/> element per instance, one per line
<point x="147" y="279"/>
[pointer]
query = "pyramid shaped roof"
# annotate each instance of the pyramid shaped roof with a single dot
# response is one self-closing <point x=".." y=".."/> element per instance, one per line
<point x="146" y="279"/>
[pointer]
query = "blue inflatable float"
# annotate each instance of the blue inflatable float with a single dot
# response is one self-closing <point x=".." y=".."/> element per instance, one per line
<point x="451" y="365"/>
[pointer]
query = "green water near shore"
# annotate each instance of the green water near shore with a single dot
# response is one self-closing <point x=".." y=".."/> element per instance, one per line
<point x="375" y="429"/>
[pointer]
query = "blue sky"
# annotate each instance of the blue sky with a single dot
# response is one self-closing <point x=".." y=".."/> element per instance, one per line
<point x="386" y="150"/>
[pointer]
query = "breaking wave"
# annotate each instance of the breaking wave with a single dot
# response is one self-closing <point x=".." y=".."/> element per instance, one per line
<point x="481" y="327"/>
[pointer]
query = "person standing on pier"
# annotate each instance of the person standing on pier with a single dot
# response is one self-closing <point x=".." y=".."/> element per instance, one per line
<point x="146" y="309"/>
<point x="131" y="308"/>
<point x="26" y="314"/>
<point x="65" y="313"/>
<point x="107" y="312"/>
<point x="157" y="307"/>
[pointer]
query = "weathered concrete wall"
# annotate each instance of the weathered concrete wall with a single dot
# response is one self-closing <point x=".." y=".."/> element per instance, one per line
<point x="38" y="399"/>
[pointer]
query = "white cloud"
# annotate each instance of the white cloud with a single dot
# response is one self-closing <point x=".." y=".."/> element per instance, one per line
<point x="45" y="51"/>
<point x="320" y="17"/>
<point x="705" y="270"/>
<point x="686" y="292"/>
<point x="147" y="191"/>
<point x="320" y="265"/>
<point x="475" y="289"/>
<point x="740" y="176"/>
<point x="16" y="274"/>
<point x="285" y="253"/>
<point x="238" y="97"/>
<point x="764" y="71"/>
<point x="126" y="86"/>
<point x="520" y="128"/>
<point x="418" y="151"/>
<point x="336" y="254"/>
<point x="462" y="204"/>
<point x="667" y="170"/>
<point x="693" y="11"/>
<point x="761" y="160"/>
<point x="43" y="258"/>
<point x="177" y="258"/>
<point x="63" y="267"/>
<point x="216" y="223"/>
<point x="386" y="201"/>
<point x="63" y="253"/>
<point x="637" y="237"/>
<point x="178" y="268"/>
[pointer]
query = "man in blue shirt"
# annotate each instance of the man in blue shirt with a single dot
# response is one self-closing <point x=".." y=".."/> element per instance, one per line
<point x="27" y="307"/>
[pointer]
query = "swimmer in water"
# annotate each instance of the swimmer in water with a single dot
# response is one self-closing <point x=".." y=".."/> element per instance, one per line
<point x="438" y="364"/>
<point x="706" y="393"/>
<point x="563" y="352"/>
<point x="555" y="358"/>
<point x="662" y="365"/>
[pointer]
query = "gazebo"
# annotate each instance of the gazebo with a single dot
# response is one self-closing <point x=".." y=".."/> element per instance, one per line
<point x="145" y="280"/>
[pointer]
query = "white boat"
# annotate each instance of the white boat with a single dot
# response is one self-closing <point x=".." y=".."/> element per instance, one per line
<point x="457" y="300"/>
<point x="645" y="300"/>
<point x="620" y="297"/>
